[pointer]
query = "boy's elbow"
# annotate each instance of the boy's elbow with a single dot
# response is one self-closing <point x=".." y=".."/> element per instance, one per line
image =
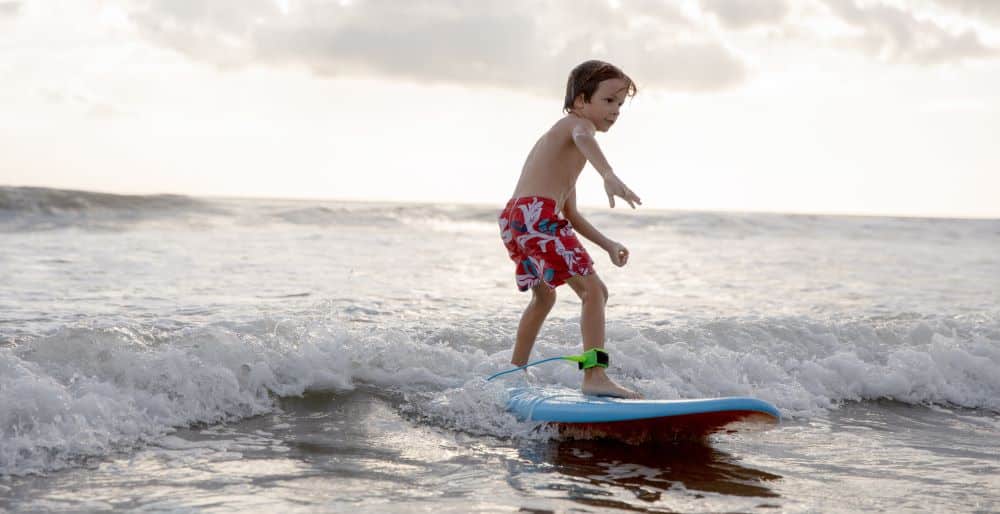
<point x="572" y="215"/>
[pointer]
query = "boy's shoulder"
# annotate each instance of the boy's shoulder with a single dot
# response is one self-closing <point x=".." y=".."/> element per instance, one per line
<point x="570" y="124"/>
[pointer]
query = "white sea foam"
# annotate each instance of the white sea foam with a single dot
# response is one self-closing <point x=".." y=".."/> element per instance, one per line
<point x="122" y="318"/>
<point x="88" y="391"/>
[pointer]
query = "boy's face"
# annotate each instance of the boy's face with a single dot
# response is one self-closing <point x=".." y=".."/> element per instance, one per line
<point x="603" y="107"/>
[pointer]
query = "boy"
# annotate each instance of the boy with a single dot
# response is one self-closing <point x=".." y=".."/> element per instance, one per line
<point x="541" y="243"/>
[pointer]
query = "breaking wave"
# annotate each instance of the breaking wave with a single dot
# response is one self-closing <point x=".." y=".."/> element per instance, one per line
<point x="87" y="391"/>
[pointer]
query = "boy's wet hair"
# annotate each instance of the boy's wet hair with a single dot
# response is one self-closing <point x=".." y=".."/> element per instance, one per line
<point x="587" y="75"/>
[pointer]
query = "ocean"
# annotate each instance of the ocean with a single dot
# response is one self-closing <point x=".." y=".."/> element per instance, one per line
<point x="178" y="354"/>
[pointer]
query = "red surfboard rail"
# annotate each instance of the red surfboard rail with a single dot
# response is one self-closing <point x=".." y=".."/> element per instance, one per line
<point x="685" y="427"/>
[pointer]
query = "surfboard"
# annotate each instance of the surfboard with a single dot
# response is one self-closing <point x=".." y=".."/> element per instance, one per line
<point x="579" y="416"/>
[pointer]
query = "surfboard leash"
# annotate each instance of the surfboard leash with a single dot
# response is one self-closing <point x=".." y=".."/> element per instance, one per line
<point x="594" y="357"/>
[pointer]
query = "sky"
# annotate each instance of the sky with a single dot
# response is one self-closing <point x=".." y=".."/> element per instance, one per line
<point x="808" y="106"/>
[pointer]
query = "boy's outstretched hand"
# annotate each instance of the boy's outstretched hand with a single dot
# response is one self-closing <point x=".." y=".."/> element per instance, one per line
<point x="613" y="186"/>
<point x="618" y="254"/>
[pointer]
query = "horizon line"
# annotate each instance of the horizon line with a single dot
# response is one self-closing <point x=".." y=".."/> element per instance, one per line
<point x="619" y="204"/>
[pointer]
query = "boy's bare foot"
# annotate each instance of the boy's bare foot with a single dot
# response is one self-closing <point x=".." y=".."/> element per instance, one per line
<point x="597" y="382"/>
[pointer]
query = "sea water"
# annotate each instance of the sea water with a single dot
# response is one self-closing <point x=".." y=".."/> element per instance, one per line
<point x="169" y="353"/>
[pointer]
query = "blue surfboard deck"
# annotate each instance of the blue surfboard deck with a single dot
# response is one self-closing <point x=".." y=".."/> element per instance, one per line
<point x="581" y="416"/>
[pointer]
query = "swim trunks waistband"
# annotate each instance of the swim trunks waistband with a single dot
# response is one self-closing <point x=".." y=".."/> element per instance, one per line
<point x="528" y="198"/>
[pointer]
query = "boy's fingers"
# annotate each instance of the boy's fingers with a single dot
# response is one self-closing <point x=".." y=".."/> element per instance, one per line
<point x="621" y="256"/>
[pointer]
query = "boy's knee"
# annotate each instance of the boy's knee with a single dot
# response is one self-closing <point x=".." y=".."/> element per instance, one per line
<point x="602" y="292"/>
<point x="592" y="288"/>
<point x="544" y="295"/>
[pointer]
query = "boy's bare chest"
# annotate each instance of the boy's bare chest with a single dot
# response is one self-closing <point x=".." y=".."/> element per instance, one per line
<point x="557" y="160"/>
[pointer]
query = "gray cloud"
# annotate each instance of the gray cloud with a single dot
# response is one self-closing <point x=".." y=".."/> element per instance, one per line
<point x="742" y="14"/>
<point x="10" y="8"/>
<point x="893" y="34"/>
<point x="529" y="45"/>
<point x="523" y="45"/>
<point x="977" y="8"/>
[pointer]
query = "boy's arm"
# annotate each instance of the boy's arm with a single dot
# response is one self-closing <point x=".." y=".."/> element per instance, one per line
<point x="583" y="137"/>
<point x="616" y="251"/>
<point x="581" y="225"/>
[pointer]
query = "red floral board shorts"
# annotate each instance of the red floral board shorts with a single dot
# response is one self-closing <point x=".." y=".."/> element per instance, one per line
<point x="541" y="244"/>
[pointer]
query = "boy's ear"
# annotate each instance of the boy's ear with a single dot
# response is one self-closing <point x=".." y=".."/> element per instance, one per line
<point x="578" y="101"/>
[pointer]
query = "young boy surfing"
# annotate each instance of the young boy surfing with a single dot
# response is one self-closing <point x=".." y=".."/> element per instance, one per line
<point x="538" y="223"/>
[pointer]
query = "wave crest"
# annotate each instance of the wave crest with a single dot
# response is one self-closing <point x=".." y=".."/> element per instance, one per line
<point x="86" y="391"/>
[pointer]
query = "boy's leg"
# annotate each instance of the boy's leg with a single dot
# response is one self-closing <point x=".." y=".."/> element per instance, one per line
<point x="542" y="300"/>
<point x="594" y="295"/>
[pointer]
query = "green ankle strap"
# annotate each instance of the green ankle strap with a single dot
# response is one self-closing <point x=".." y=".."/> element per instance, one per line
<point x="594" y="357"/>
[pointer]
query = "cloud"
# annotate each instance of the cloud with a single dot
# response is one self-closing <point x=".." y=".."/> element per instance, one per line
<point x="978" y="8"/>
<point x="742" y="14"/>
<point x="893" y="34"/>
<point x="9" y="8"/>
<point x="531" y="45"/>
<point x="524" y="44"/>
<point x="86" y="104"/>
